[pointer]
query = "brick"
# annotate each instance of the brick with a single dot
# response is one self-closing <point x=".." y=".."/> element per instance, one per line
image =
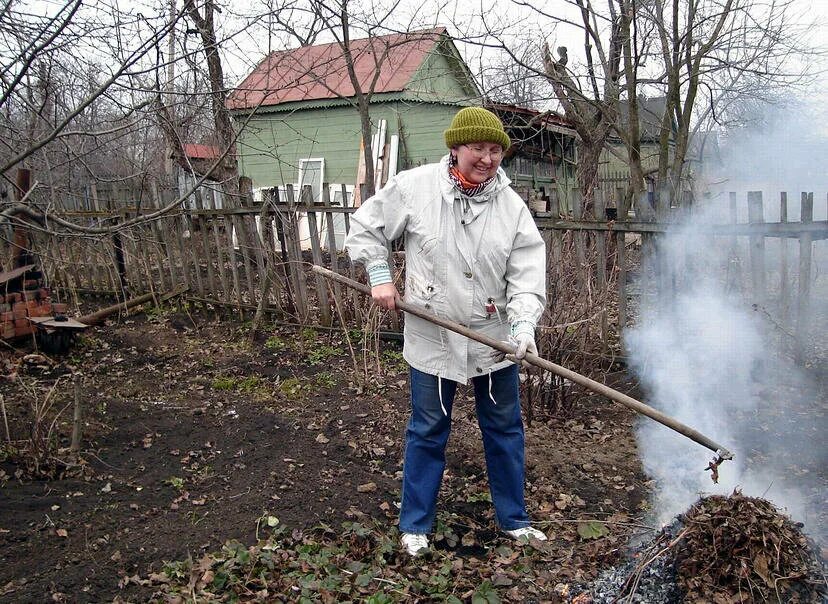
<point x="20" y="313"/>
<point x="24" y="331"/>
<point x="31" y="295"/>
<point x="7" y="316"/>
<point x="19" y="306"/>
<point x="21" y="323"/>
<point x="4" y="307"/>
<point x="31" y="284"/>
<point x="45" y="293"/>
<point x="7" y="332"/>
<point x="59" y="308"/>
<point x="46" y="307"/>
<point x="12" y="297"/>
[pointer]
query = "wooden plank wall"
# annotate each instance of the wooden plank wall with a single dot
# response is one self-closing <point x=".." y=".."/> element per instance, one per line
<point x="239" y="258"/>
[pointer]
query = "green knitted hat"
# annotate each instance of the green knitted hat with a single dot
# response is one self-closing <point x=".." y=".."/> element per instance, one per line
<point x="476" y="125"/>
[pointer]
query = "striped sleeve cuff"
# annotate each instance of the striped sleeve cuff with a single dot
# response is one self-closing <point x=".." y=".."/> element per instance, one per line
<point x="379" y="274"/>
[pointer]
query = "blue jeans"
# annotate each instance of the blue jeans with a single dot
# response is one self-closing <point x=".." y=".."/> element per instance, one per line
<point x="425" y="447"/>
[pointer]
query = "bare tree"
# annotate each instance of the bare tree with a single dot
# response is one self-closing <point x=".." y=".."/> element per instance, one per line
<point x="514" y="77"/>
<point x="204" y="19"/>
<point x="592" y="112"/>
<point x="717" y="54"/>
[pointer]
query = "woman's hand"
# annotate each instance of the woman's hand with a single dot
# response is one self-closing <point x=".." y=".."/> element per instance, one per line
<point x="385" y="296"/>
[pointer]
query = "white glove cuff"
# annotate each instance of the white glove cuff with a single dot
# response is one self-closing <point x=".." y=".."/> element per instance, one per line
<point x="523" y="327"/>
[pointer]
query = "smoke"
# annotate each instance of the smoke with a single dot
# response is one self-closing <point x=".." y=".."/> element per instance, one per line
<point x="717" y="355"/>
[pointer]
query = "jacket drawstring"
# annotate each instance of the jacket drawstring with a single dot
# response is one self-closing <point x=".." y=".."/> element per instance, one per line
<point x="489" y="376"/>
<point x="440" y="394"/>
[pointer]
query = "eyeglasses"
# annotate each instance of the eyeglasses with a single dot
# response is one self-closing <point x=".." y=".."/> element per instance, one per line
<point x="479" y="152"/>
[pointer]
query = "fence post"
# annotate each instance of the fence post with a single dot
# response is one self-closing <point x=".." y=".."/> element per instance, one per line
<point x="733" y="280"/>
<point x="756" y="215"/>
<point x="355" y="298"/>
<point x="805" y="241"/>
<point x="601" y="268"/>
<point x="784" y="286"/>
<point x="294" y="249"/>
<point x="332" y="249"/>
<point x="621" y="259"/>
<point x="290" y="286"/>
<point x="306" y="199"/>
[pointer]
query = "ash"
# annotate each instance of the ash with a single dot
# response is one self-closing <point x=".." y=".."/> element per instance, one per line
<point x="646" y="577"/>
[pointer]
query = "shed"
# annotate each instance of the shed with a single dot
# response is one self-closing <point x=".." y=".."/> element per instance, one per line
<point x="299" y="122"/>
<point x="541" y="160"/>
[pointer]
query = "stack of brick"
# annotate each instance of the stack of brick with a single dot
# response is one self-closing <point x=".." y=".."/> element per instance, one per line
<point x="30" y="299"/>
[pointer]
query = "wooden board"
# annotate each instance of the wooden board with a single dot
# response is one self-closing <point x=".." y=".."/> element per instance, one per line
<point x="51" y="323"/>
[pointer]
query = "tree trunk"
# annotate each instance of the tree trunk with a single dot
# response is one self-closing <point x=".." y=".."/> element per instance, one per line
<point x="228" y="172"/>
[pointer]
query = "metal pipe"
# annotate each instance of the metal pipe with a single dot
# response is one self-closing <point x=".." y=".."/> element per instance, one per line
<point x="537" y="361"/>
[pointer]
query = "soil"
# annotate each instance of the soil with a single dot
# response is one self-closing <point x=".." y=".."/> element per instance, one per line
<point x="193" y="437"/>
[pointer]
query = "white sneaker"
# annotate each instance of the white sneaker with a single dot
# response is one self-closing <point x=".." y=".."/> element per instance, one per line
<point x="526" y="533"/>
<point x="414" y="544"/>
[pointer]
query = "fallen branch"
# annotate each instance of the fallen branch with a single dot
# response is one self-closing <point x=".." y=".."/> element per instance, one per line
<point x="100" y="315"/>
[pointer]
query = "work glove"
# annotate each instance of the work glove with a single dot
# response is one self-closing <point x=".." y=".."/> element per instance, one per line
<point x="523" y="337"/>
<point x="524" y="342"/>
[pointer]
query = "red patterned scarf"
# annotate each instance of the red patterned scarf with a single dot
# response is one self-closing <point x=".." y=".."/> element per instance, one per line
<point x="463" y="185"/>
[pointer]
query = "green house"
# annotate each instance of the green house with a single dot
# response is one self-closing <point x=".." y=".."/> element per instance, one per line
<point x="299" y="123"/>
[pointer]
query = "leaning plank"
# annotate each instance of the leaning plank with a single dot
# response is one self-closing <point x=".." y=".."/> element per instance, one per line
<point x="221" y="264"/>
<point x="243" y="242"/>
<point x="200" y="225"/>
<point x="189" y="248"/>
<point x="233" y="261"/>
<point x="290" y="286"/>
<point x="253" y="222"/>
<point x="351" y="271"/>
<point x="306" y="198"/>
<point x="161" y="233"/>
<point x="331" y="232"/>
<point x="177" y="227"/>
<point x="291" y="228"/>
<point x="268" y="244"/>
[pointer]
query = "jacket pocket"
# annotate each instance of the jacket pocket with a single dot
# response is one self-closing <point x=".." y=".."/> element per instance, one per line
<point x="422" y="292"/>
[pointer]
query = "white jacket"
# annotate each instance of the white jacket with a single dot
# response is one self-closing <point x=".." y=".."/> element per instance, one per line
<point x="460" y="253"/>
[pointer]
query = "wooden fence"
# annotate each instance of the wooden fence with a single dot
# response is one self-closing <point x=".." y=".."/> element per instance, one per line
<point x="258" y="255"/>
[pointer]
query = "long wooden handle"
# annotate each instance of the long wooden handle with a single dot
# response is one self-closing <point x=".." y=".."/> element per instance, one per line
<point x="537" y="361"/>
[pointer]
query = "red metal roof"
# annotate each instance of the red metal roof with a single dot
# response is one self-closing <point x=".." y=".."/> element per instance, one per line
<point x="195" y="151"/>
<point x="319" y="72"/>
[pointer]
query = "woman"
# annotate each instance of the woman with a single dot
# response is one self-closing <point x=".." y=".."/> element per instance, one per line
<point x="474" y="256"/>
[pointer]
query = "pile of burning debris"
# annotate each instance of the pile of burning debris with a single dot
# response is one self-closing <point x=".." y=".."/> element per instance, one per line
<point x="724" y="550"/>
